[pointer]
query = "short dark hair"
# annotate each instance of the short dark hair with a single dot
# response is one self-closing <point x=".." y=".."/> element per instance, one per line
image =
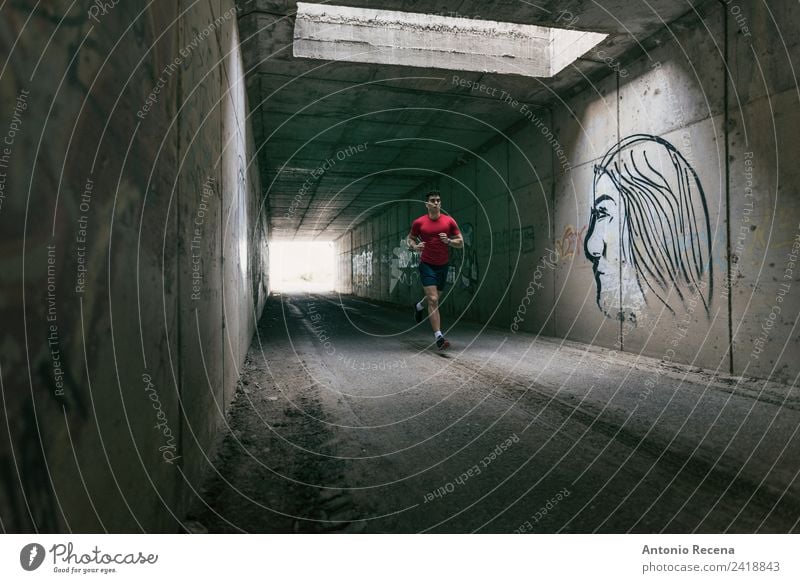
<point x="431" y="193"/>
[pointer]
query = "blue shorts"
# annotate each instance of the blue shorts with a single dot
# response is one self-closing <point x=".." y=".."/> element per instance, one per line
<point x="433" y="274"/>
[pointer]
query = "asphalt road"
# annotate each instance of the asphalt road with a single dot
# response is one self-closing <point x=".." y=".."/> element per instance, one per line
<point x="349" y="420"/>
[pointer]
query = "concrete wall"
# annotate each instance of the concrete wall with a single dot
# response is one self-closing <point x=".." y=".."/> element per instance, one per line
<point x="718" y="141"/>
<point x="134" y="259"/>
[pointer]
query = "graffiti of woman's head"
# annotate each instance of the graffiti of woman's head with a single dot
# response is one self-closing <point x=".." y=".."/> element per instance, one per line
<point x="649" y="235"/>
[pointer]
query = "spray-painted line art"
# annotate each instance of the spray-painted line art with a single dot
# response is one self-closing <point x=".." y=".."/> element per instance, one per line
<point x="649" y="232"/>
<point x="404" y="265"/>
<point x="465" y="261"/>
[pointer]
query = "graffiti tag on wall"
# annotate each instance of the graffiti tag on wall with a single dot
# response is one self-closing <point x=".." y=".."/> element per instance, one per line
<point x="464" y="263"/>
<point x="404" y="263"/>
<point x="362" y="268"/>
<point x="570" y="244"/>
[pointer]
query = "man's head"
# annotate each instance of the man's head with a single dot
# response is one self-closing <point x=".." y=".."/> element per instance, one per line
<point x="433" y="200"/>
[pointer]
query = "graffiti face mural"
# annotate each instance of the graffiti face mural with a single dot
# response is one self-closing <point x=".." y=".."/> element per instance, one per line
<point x="619" y="291"/>
<point x="649" y="237"/>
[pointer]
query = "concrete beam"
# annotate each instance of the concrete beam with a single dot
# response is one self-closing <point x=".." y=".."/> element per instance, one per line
<point x="422" y="40"/>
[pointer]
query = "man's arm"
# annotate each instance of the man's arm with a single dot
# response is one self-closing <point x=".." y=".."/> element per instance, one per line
<point x="411" y="241"/>
<point x="457" y="241"/>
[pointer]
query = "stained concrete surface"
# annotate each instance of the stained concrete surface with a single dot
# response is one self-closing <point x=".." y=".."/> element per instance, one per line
<point x="133" y="249"/>
<point x="346" y="419"/>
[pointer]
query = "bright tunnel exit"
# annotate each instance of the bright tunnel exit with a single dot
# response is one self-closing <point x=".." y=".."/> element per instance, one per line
<point x="307" y="266"/>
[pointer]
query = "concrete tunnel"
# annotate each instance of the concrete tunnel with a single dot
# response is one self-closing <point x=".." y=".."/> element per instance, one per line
<point x="622" y="314"/>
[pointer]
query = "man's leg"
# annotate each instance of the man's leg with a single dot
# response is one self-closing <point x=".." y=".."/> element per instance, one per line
<point x="432" y="299"/>
<point x="419" y="311"/>
<point x="441" y="282"/>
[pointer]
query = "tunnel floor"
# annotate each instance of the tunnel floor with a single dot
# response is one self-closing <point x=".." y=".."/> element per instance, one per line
<point x="348" y="420"/>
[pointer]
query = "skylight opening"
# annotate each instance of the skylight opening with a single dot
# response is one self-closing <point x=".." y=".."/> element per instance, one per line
<point x="390" y="37"/>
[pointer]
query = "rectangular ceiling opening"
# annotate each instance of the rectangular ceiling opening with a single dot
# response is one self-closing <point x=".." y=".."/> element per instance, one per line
<point x="390" y="37"/>
<point x="302" y="266"/>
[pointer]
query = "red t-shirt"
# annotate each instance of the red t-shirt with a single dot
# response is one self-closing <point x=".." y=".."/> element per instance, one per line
<point x="427" y="229"/>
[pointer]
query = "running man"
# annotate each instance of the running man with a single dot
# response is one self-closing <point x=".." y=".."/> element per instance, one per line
<point x="436" y="233"/>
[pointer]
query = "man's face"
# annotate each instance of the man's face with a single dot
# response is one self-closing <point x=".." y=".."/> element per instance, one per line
<point x="434" y="203"/>
<point x="619" y="294"/>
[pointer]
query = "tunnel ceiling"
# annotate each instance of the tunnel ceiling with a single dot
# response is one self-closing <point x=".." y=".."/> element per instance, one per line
<point x="338" y="141"/>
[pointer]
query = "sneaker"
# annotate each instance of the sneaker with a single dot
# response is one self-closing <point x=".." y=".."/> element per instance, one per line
<point x="442" y="343"/>
<point x="419" y="315"/>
